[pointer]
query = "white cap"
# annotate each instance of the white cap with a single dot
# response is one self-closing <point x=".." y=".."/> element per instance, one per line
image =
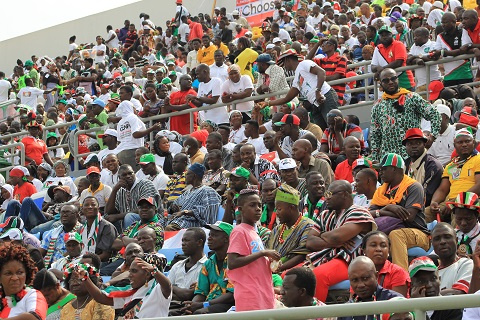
<point x="438" y="4"/>
<point x="13" y="234"/>
<point x="235" y="13"/>
<point x="287" y="163"/>
<point x="282" y="9"/>
<point x="443" y="109"/>
<point x="270" y="46"/>
<point x="129" y="79"/>
<point x="91" y="155"/>
<point x="275" y="40"/>
<point x="111" y="132"/>
<point x="217" y="8"/>
<point x="23" y="169"/>
<point x="336" y="12"/>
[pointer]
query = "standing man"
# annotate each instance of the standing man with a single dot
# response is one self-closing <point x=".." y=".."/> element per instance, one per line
<point x="219" y="69"/>
<point x="397" y="111"/>
<point x="271" y="77"/>
<point x="206" y="53"/>
<point x="192" y="61"/>
<point x="310" y="83"/>
<point x="178" y="101"/>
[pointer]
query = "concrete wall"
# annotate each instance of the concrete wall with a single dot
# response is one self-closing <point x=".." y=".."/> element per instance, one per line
<point x="53" y="41"/>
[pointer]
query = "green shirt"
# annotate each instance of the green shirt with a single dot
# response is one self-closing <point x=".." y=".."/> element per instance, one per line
<point x="212" y="282"/>
<point x="35" y="77"/>
<point x="102" y="117"/>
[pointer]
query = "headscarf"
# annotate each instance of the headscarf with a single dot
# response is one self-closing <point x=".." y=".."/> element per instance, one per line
<point x="9" y="188"/>
<point x="233" y="67"/>
<point x="124" y="109"/>
<point x="56" y="164"/>
<point x="212" y="124"/>
<point x="46" y="167"/>
<point x="201" y="136"/>
<point x="168" y="163"/>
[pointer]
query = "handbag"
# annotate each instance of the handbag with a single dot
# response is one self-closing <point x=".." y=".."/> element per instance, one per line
<point x="388" y="224"/>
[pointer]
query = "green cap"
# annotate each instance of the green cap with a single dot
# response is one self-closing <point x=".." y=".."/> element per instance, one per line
<point x="49" y="123"/>
<point x="167" y="81"/>
<point x="385" y="28"/>
<point x="51" y="135"/>
<point x="240" y="172"/>
<point x="62" y="101"/>
<point x="28" y="63"/>
<point x="172" y="73"/>
<point x="220" y="226"/>
<point x="147" y="158"/>
<point x="391" y="159"/>
<point x="114" y="95"/>
<point x="287" y="194"/>
<point x="421" y="264"/>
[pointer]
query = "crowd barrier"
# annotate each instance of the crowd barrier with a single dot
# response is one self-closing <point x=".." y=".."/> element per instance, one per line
<point x="364" y="104"/>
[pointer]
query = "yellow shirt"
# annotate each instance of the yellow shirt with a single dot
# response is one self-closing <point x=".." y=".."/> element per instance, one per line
<point x="224" y="49"/>
<point x="245" y="61"/>
<point x="205" y="55"/>
<point x="462" y="179"/>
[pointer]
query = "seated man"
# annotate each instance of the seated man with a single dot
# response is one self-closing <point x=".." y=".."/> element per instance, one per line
<point x="462" y="174"/>
<point x="290" y="132"/>
<point x="267" y="194"/>
<point x="465" y="210"/>
<point x="455" y="272"/>
<point x="53" y="243"/>
<point x="302" y="152"/>
<point x="100" y="191"/>
<point x="122" y="207"/>
<point x="215" y="142"/>
<point x="216" y="177"/>
<point x="289" y="238"/>
<point x="334" y="231"/>
<point x="421" y="166"/>
<point x="289" y="174"/>
<point x="238" y="181"/>
<point x="260" y="169"/>
<point x="365" y="184"/>
<point x="352" y="149"/>
<point x="110" y="176"/>
<point x="426" y="283"/>
<point x="214" y="292"/>
<point x="121" y="274"/>
<point x="73" y="247"/>
<point x="147" y="208"/>
<point x="149" y="170"/>
<point x="314" y="202"/>
<point x="398" y="208"/>
<point x="363" y="279"/>
<point x="184" y="274"/>
<point x="176" y="185"/>
<point x="298" y="288"/>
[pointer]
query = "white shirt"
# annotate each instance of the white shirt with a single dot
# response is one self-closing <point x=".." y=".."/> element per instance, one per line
<point x="114" y="42"/>
<point x="314" y="20"/>
<point x="159" y="181"/>
<point x="427" y="6"/>
<point x="405" y="6"/>
<point x="5" y="86"/>
<point x="184" y="11"/>
<point x="136" y="104"/>
<point x="100" y="59"/>
<point x="284" y="35"/>
<point x="361" y="200"/>
<point x="126" y="128"/>
<point x="237" y="136"/>
<point x="183" y="32"/>
<point x="351" y="42"/>
<point x="105" y="152"/>
<point x="450" y="67"/>
<point x="244" y="83"/>
<point x="219" y="72"/>
<point x="306" y="82"/>
<point x="421" y="73"/>
<point x="258" y="144"/>
<point x="178" y="277"/>
<point x="213" y="88"/>
<point x="108" y="178"/>
<point x="29" y="95"/>
<point x="457" y="275"/>
<point x="442" y="147"/>
<point x="472" y="313"/>
<point x="102" y="196"/>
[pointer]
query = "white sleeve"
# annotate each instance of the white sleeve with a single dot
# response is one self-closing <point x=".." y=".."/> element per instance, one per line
<point x="438" y="43"/>
<point x="465" y="38"/>
<point x="375" y="58"/>
<point x="247" y="82"/>
<point x="36" y="91"/>
<point x="217" y="88"/>
<point x="225" y="87"/>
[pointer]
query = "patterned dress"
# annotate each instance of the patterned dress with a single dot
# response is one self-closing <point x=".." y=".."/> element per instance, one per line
<point x="389" y="126"/>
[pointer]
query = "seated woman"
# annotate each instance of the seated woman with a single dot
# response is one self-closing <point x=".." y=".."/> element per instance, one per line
<point x="26" y="303"/>
<point x="376" y="246"/>
<point x="148" y="296"/>
<point x="84" y="307"/>
<point x="57" y="296"/>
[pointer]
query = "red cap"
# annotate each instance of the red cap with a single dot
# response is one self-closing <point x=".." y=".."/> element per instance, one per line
<point x="150" y="200"/>
<point x="414" y="133"/>
<point x="434" y="89"/>
<point x="288" y="119"/>
<point x="93" y="169"/>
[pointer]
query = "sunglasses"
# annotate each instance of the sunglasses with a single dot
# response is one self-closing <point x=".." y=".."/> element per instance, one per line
<point x="387" y="80"/>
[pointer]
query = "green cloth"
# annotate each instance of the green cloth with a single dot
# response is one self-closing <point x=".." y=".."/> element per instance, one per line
<point x="102" y="117"/>
<point x="211" y="281"/>
<point x="21" y="82"/>
<point x="35" y="77"/>
<point x="277" y="280"/>
<point x="60" y="304"/>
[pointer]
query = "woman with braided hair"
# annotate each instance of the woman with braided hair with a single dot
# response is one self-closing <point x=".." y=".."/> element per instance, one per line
<point x="18" y="302"/>
<point x="148" y="295"/>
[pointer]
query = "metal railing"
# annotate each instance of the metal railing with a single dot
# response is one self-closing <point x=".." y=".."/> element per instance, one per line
<point x="418" y="305"/>
<point x="13" y="154"/>
<point x="76" y="156"/>
<point x="366" y="89"/>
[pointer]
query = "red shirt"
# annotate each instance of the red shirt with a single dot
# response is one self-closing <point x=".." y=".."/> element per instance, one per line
<point x="343" y="171"/>
<point x="181" y="124"/>
<point x="26" y="190"/>
<point x="196" y="31"/>
<point x="34" y="149"/>
<point x="336" y="64"/>
<point x="398" y="51"/>
<point x="392" y="275"/>
<point x="475" y="33"/>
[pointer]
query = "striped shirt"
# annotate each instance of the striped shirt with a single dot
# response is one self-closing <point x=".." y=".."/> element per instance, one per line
<point x="126" y="200"/>
<point x="175" y="187"/>
<point x="336" y="64"/>
<point x="203" y="201"/>
<point x="328" y="221"/>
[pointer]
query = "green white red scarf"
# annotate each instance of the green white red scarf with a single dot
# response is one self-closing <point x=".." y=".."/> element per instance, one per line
<point x="52" y="243"/>
<point x="90" y="240"/>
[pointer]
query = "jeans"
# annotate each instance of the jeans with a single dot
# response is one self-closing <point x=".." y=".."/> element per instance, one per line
<point x="44" y="227"/>
<point x="28" y="211"/>
<point x="319" y="113"/>
<point x="130" y="219"/>
<point x="107" y="269"/>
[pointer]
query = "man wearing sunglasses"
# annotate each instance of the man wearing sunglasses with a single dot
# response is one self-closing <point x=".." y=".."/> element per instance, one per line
<point x="397" y="111"/>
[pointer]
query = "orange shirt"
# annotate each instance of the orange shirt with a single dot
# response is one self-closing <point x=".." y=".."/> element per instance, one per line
<point x="181" y="124"/>
<point x="26" y="190"/>
<point x="34" y="149"/>
<point x="475" y="34"/>
<point x="343" y="171"/>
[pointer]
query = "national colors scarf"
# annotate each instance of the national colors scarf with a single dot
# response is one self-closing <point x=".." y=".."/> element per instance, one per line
<point x="397" y="95"/>
<point x="90" y="240"/>
<point x="131" y="296"/>
<point x="381" y="200"/>
<point x="52" y="243"/>
<point x="139" y="225"/>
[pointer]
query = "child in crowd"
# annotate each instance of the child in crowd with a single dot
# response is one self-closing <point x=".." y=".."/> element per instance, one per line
<point x="248" y="261"/>
<point x="6" y="192"/>
<point x="57" y="153"/>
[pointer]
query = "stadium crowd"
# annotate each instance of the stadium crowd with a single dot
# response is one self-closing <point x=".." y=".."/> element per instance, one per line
<point x="276" y="202"/>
